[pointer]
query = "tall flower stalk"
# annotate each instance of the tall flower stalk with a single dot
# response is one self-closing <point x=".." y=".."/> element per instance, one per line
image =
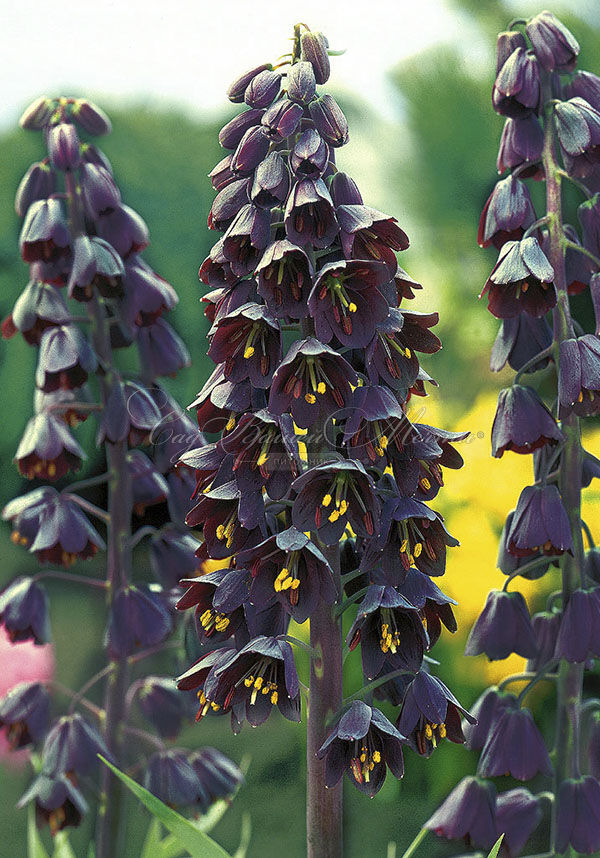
<point x="552" y="134"/>
<point x="90" y="297"/>
<point x="313" y="495"/>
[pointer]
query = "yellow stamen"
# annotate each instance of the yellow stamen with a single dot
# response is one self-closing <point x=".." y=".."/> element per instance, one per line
<point x="376" y="757"/>
<point x="352" y="307"/>
<point x="321" y="388"/>
<point x="310" y="398"/>
<point x="442" y="731"/>
<point x="417" y="550"/>
<point x="274" y="698"/>
<point x="249" y="352"/>
<point x="326" y="500"/>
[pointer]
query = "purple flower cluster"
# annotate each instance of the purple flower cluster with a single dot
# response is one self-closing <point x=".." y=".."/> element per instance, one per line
<point x="90" y="294"/>
<point x="552" y="131"/>
<point x="316" y="351"/>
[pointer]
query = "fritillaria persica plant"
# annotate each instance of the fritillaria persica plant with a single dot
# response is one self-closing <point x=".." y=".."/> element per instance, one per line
<point x="313" y="498"/>
<point x="90" y="298"/>
<point x="551" y="135"/>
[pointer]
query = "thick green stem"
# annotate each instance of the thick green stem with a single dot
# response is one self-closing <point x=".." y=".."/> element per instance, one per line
<point x="570" y="680"/>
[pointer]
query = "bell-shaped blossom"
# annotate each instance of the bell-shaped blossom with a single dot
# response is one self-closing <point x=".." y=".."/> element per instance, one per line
<point x="138" y="618"/>
<point x="161" y="704"/>
<point x="578" y="817"/>
<point x="519" y="340"/>
<point x="430" y="713"/>
<point x="469" y="814"/>
<point x="218" y="776"/>
<point x="310" y="155"/>
<point x="332" y="496"/>
<point x="147" y="296"/>
<point x="44" y="234"/>
<point x="585" y="85"/>
<point x="514" y="747"/>
<point x="521" y="144"/>
<point x="554" y="45"/>
<point x="24" y="611"/>
<point x="231" y="133"/>
<point x="38" y="183"/>
<point x="58" y="803"/>
<point x="248" y="342"/>
<point x="520" y="281"/>
<point x="362" y="744"/>
<point x="164" y="350"/>
<point x="124" y="230"/>
<point x="96" y="265"/>
<point x="65" y="359"/>
<point x="507" y="213"/>
<point x="218" y="598"/>
<point x="24" y="714"/>
<point x="522" y="423"/>
<point x="546" y="625"/>
<point x="246" y="238"/>
<point x="309" y="214"/>
<point x="71" y="748"/>
<point x="99" y="192"/>
<point x="285" y="279"/>
<point x="366" y="233"/>
<point x="230" y="521"/>
<point x="269" y="188"/>
<point x="518" y="814"/>
<point x="281" y="119"/>
<point x="540" y="522"/>
<point x="503" y="627"/>
<point x="486" y="710"/>
<point x="579" y="634"/>
<point x="170" y="776"/>
<point x="579" y="375"/>
<point x="38" y="307"/>
<point x="376" y="426"/>
<point x="47" y="449"/>
<point x="435" y="608"/>
<point x="578" y="129"/>
<point x="517" y="88"/>
<point x="172" y="556"/>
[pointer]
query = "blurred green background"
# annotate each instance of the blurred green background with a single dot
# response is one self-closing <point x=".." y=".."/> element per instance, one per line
<point x="433" y="167"/>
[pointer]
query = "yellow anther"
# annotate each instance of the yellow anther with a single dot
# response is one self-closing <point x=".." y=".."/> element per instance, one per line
<point x="404" y="546"/>
<point x="230" y="424"/>
<point x="248" y="681"/>
<point x="274" y="698"/>
<point x="334" y="516"/>
<point x="343" y="507"/>
<point x="221" y="532"/>
<point x="287" y="583"/>
<point x="417" y="549"/>
<point x="580" y="397"/>
<point x="384" y="629"/>
<point x="428" y="731"/>
<point x="426" y="484"/>
<point x="383" y="441"/>
<point x="326" y="500"/>
<point x="265" y="689"/>
<point x="258" y="682"/>
<point x="363" y="757"/>
<point x="442" y="731"/>
<point x="201" y="697"/>
<point x="295" y="583"/>
<point x="222" y="624"/>
<point x="261" y="459"/>
<point x="376" y="757"/>
<point x="408" y="352"/>
<point x="352" y="307"/>
<point x="214" y="706"/>
<point x="249" y="352"/>
<point x="51" y="469"/>
<point x="310" y="398"/>
<point x="388" y="639"/>
<point x="321" y="388"/>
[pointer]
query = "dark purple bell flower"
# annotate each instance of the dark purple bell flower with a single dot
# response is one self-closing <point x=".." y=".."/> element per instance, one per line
<point x="520" y="281"/>
<point x="38" y="183"/>
<point x="91" y="117"/>
<point x="261" y="675"/>
<point x="376" y="426"/>
<point x="435" y="608"/>
<point x="38" y="307"/>
<point x="266" y="453"/>
<point x="236" y="90"/>
<point x="503" y="627"/>
<point x="164" y="351"/>
<point x="332" y="496"/>
<point x="329" y="120"/>
<point x="345" y="301"/>
<point x="172" y="555"/>
<point x="99" y="192"/>
<point x="72" y="747"/>
<point x="263" y="88"/>
<point x="248" y="342"/>
<point x="506" y="43"/>
<point x="149" y="487"/>
<point x="223" y="301"/>
<point x="579" y="375"/>
<point x="161" y="704"/>
<point x="58" y="803"/>
<point x="486" y="710"/>
<point x="585" y="85"/>
<point x="246" y="238"/>
<point x="218" y="599"/>
<point x="521" y="143"/>
<point x="251" y="150"/>
<point x="388" y="359"/>
<point x="170" y="776"/>
<point x="469" y="814"/>
<point x="44" y="235"/>
<point x="578" y="819"/>
<point x="222" y="512"/>
<point x="271" y="621"/>
<point x="90" y="154"/>
<point x="219" y="402"/>
<point x="147" y="295"/>
<point x="285" y="279"/>
<point x="301" y="83"/>
<point x="221" y="174"/>
<point x="281" y="119"/>
<point x="138" y="618"/>
<point x="47" y="449"/>
<point x="539" y="523"/>
<point x="514" y="747"/>
<point x="227" y="203"/>
<point x="430" y="713"/>
<point x="520" y="339"/>
<point x="313" y="50"/>
<point x="24" y="714"/>
<point x="310" y="155"/>
<point x="522" y="423"/>
<point x="509" y="563"/>
<point x="231" y="133"/>
<point x="578" y="637"/>
<point x="290" y="569"/>
<point x="309" y="214"/>
<point x="24" y="611"/>
<point x="390" y="632"/>
<point x="312" y="380"/>
<point x="366" y="233"/>
<point x="507" y="213"/>
<point x="578" y="267"/>
<point x="362" y="744"/>
<point x="517" y="91"/>
<point x="52" y="527"/>
<point x="518" y="814"/>
<point x="418" y="467"/>
<point x="218" y="776"/>
<point x="95" y="265"/>
<point x="578" y="129"/>
<point x="269" y="188"/>
<point x="344" y="190"/>
<point x="37" y="114"/>
<point x="546" y="626"/>
<point x="123" y="229"/>
<point x="591" y="565"/>
<point x="65" y="359"/>
<point x="554" y="45"/>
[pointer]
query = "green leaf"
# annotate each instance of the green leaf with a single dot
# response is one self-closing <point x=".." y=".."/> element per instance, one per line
<point x="151" y="845"/>
<point x="35" y="847"/>
<point x="245" y="836"/>
<point x="496" y="847"/>
<point x="62" y="847"/>
<point x="198" y="844"/>
<point x="91" y="853"/>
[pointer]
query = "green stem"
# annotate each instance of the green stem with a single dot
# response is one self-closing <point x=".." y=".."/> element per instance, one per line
<point x="416" y="843"/>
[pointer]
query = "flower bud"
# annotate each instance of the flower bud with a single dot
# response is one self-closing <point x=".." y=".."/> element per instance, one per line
<point x="72" y="747"/>
<point x="38" y="183"/>
<point x="237" y="89"/>
<point x="171" y="778"/>
<point x="522" y="141"/>
<point x="24" y="714"/>
<point x="38" y="114"/>
<point x="263" y="88"/>
<point x="99" y="192"/>
<point x="91" y="118"/>
<point x="149" y="487"/>
<point x="554" y="45"/>
<point x="163" y="349"/>
<point x="251" y="150"/>
<point x="24" y="611"/>
<point x="344" y="190"/>
<point x="517" y="90"/>
<point x="281" y="119"/>
<point x="173" y="556"/>
<point x="218" y="776"/>
<point x="313" y="50"/>
<point x="329" y="120"/>
<point x="301" y="82"/>
<point x="221" y="174"/>
<point x="506" y="43"/>
<point x="63" y="146"/>
<point x="231" y="133"/>
<point x="227" y="204"/>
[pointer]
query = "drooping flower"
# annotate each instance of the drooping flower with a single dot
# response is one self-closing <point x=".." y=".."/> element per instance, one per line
<point x="554" y="45"/>
<point x="44" y="235"/>
<point x="579" y="633"/>
<point x="469" y="814"/>
<point x="24" y="611"/>
<point x="578" y="820"/>
<point x="309" y="214"/>
<point x="47" y="449"/>
<point x="578" y="129"/>
<point x="218" y="776"/>
<point x="539" y="523"/>
<point x="521" y="143"/>
<point x="362" y="744"/>
<point x="522" y="423"/>
<point x="376" y="426"/>
<point x="58" y="803"/>
<point x="284" y="279"/>
<point x="230" y="521"/>
<point x="38" y="307"/>
<point x="503" y="627"/>
<point x="507" y="213"/>
<point x="520" y="281"/>
<point x="516" y="90"/>
<point x="71" y="748"/>
<point x="218" y="598"/>
<point x="248" y="342"/>
<point x="430" y="713"/>
<point x="24" y="714"/>
<point x="519" y="340"/>
<point x="514" y="746"/>
<point x="487" y="710"/>
<point x="171" y="777"/>
<point x="579" y="375"/>
<point x="161" y="704"/>
<point x="518" y="814"/>
<point x="65" y="359"/>
<point x="138" y="618"/>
